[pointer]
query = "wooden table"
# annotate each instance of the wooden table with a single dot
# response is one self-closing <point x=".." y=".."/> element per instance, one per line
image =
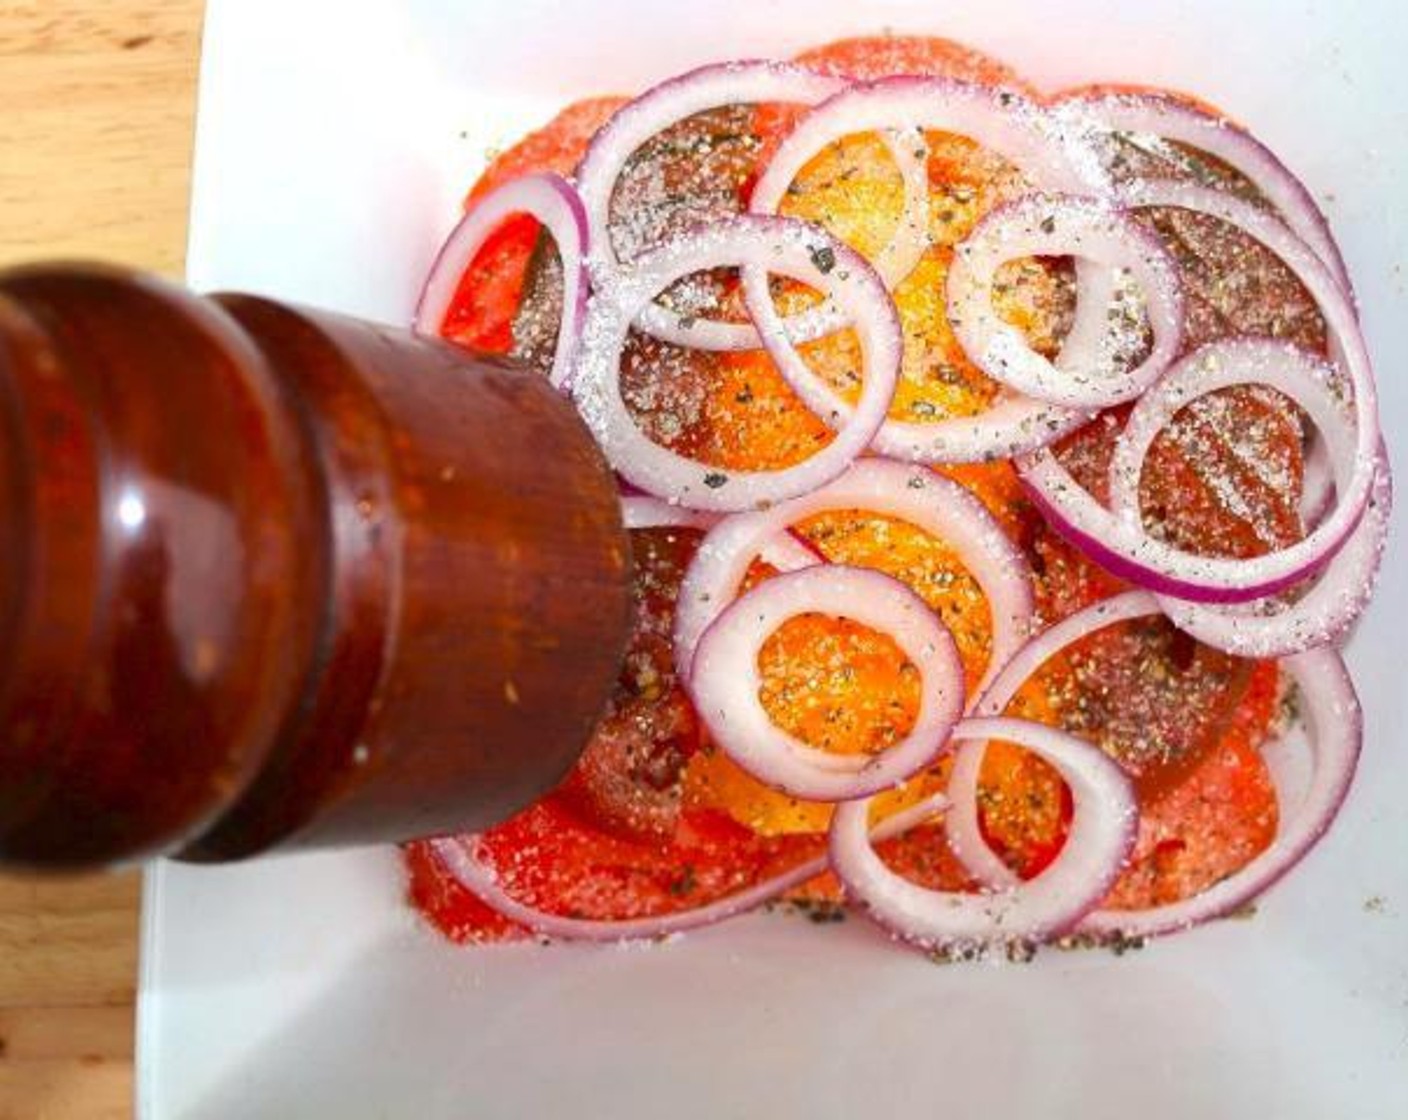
<point x="95" y="139"/>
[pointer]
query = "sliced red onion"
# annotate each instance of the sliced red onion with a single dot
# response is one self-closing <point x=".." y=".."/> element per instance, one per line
<point x="1170" y="118"/>
<point x="1266" y="627"/>
<point x="1092" y="230"/>
<point x="1143" y="559"/>
<point x="460" y="857"/>
<point x="1317" y="488"/>
<point x="1001" y="120"/>
<point x="554" y="202"/>
<point x="892" y="263"/>
<point x="1303" y="377"/>
<point x="898" y="257"/>
<point x="1101" y="838"/>
<point x="784" y="551"/>
<point x="1329" y="704"/>
<point x="641" y="511"/>
<point x="961" y="823"/>
<point x="789" y="553"/>
<point x="1330" y="708"/>
<point x="709" y="87"/>
<point x="929" y="501"/>
<point x="1321" y="616"/>
<point x="790" y="248"/>
<point x="1019" y="130"/>
<point x="725" y="681"/>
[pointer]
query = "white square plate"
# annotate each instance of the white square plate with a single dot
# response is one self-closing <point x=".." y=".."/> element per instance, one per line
<point x="334" y="141"/>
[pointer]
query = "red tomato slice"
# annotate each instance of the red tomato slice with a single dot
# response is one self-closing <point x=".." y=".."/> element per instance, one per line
<point x="1220" y="816"/>
<point x="558" y="146"/>
<point x="630" y="777"/>
<point x="868" y="57"/>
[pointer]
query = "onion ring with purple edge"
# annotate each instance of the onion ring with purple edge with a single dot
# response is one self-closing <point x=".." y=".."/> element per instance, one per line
<point x="1263" y="627"/>
<point x="1101" y="838"/>
<point x="908" y="492"/>
<point x="458" y="856"/>
<point x="790" y="248"/>
<point x="554" y="202"/>
<point x="1331" y="708"/>
<point x="1146" y="561"/>
<point x="1015" y="128"/>
<point x="725" y="681"/>
<point x="1321" y="616"/>
<point x="961" y="822"/>
<point x="713" y="87"/>
<point x="1170" y="118"/>
<point x="1092" y="230"/>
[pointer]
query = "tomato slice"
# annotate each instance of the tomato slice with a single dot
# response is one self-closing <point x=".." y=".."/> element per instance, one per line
<point x="1213" y="822"/>
<point x="558" y="146"/>
<point x="868" y="57"/>
<point x="630" y="777"/>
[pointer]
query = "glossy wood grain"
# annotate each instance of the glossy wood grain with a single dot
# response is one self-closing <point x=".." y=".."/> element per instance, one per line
<point x="160" y="599"/>
<point x="96" y="141"/>
<point x="476" y="604"/>
<point x="300" y="578"/>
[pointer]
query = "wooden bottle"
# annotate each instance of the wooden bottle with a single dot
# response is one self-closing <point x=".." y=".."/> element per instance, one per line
<point x="273" y="578"/>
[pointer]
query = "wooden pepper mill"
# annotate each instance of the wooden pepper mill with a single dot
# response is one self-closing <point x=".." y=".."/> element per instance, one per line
<point x="273" y="578"/>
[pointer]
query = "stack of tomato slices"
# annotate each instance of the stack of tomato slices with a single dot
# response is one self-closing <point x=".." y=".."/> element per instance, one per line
<point x="1003" y="474"/>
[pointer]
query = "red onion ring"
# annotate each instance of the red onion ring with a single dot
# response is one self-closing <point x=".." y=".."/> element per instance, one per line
<point x="1333" y="713"/>
<point x="929" y="501"/>
<point x="1148" y="562"/>
<point x="1169" y="118"/>
<point x="1317" y="491"/>
<point x="784" y="551"/>
<point x="459" y="856"/>
<point x="961" y="823"/>
<point x="1303" y="377"/>
<point x="1101" y="838"/>
<point x="780" y="245"/>
<point x="1270" y="628"/>
<point x="896" y="259"/>
<point x="1014" y="127"/>
<point x="641" y="511"/>
<point x="1007" y="123"/>
<point x="725" y="681"/>
<point x="1093" y="230"/>
<point x="552" y="201"/>
<point x="787" y="552"/>
<point x="1331" y="708"/>
<point x="708" y="87"/>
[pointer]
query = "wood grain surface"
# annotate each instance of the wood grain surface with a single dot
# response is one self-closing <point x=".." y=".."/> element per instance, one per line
<point x="95" y="142"/>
